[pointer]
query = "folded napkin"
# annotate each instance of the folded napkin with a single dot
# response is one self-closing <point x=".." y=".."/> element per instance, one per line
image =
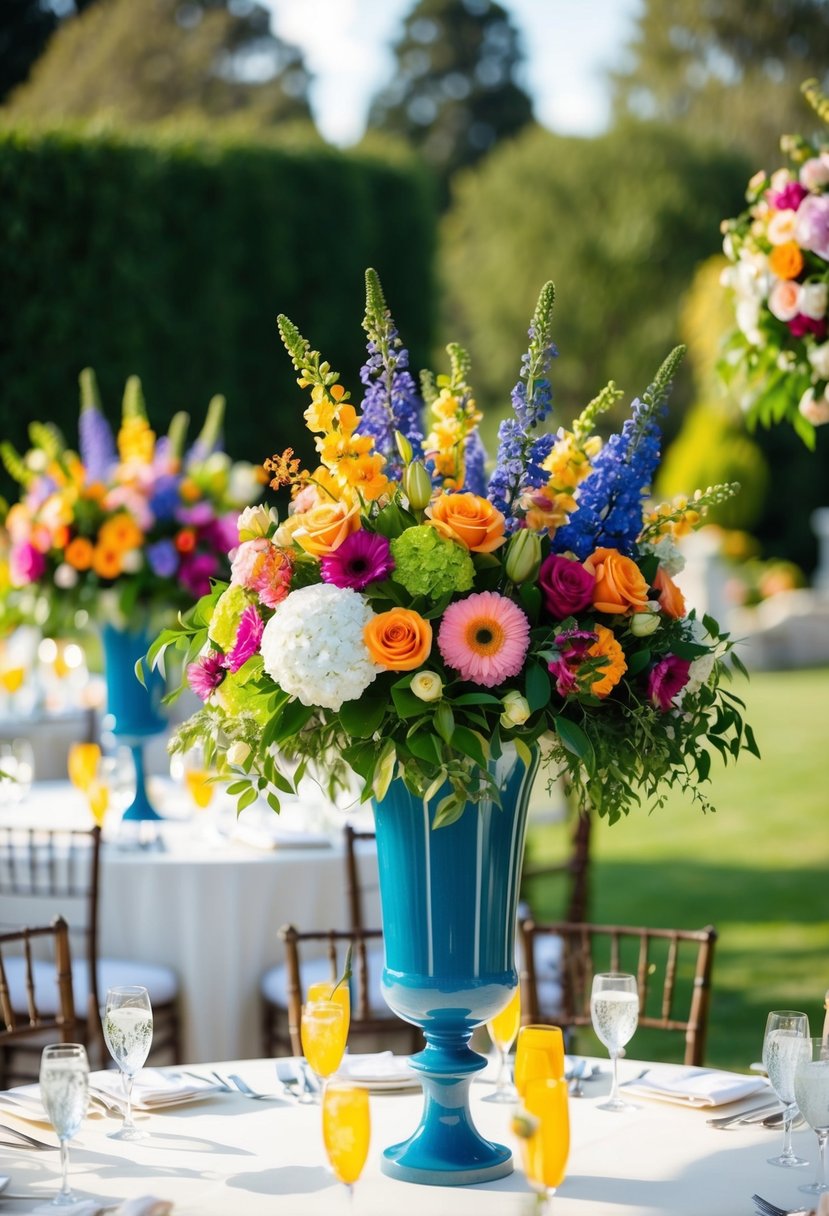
<point x="694" y="1086"/>
<point x="145" y="1205"/>
<point x="152" y="1088"/>
<point x="379" y="1068"/>
<point x="24" y="1103"/>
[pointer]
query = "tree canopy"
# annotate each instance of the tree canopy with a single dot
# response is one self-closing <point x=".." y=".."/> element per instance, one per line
<point x="183" y="57"/>
<point x="455" y="91"/>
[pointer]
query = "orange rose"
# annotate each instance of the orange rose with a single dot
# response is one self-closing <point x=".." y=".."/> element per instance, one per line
<point x="608" y="676"/>
<point x="786" y="260"/>
<point x="468" y="519"/>
<point x="620" y="586"/>
<point x="399" y="640"/>
<point x="324" y="528"/>
<point x="671" y="599"/>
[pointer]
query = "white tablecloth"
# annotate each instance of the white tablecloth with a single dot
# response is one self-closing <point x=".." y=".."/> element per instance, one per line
<point x="229" y="1154"/>
<point x="208" y="906"/>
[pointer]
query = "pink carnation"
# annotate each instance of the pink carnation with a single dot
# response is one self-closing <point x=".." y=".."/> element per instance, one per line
<point x="263" y="567"/>
<point x="26" y="564"/>
<point x="248" y="637"/>
<point x="206" y="674"/>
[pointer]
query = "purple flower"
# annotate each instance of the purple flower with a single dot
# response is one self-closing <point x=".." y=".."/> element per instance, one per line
<point x="362" y="558"/>
<point x="667" y="678"/>
<point x="566" y="586"/>
<point x="801" y="325"/>
<point x="248" y="637"/>
<point x="196" y="571"/>
<point x="27" y="564"/>
<point x="222" y="533"/>
<point x="812" y="225"/>
<point x="163" y="558"/>
<point x="789" y="198"/>
<point x="206" y="674"/>
<point x="197" y="516"/>
<point x="96" y="444"/>
<point x="164" y="498"/>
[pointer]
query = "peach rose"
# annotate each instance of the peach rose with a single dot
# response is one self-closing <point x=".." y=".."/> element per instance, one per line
<point x="399" y="639"/>
<point x="671" y="599"/>
<point x="620" y="586"/>
<point x="468" y="519"/>
<point x="324" y="528"/>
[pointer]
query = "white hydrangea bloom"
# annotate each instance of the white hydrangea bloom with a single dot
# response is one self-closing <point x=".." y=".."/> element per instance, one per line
<point x="702" y="667"/>
<point x="671" y="558"/>
<point x="313" y="645"/>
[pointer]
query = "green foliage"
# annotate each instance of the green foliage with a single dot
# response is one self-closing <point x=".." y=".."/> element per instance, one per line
<point x="619" y="222"/>
<point x="169" y="257"/>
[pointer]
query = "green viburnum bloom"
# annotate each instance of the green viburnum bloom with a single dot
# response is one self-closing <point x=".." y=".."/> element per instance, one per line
<point x="226" y="616"/>
<point x="237" y="700"/>
<point x="426" y="563"/>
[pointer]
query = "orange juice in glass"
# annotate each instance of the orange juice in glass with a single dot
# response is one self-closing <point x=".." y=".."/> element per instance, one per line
<point x="323" y="1031"/>
<point x="346" y="1129"/>
<point x="546" y="1149"/>
<point x="330" y="990"/>
<point x="199" y="786"/>
<point x="82" y="764"/>
<point x="538" y="1055"/>
<point x="11" y="679"/>
<point x="502" y="1030"/>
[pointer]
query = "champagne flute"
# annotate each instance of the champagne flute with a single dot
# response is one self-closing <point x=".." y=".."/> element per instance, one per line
<point x="785" y="1031"/>
<point x="539" y="1054"/>
<point x="614" y="1010"/>
<point x="64" y="1091"/>
<point x="197" y="776"/>
<point x="323" y="1032"/>
<point x="503" y="1029"/>
<point x="547" y="1146"/>
<point x="346" y="1130"/>
<point x="128" y="1030"/>
<point x="325" y="990"/>
<point x="82" y="764"/>
<point x="811" y="1092"/>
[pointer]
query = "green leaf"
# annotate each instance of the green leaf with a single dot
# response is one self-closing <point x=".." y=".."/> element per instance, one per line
<point x="710" y="625"/>
<point x="530" y="597"/>
<point x="739" y="664"/>
<point x="703" y="765"/>
<point x="444" y="722"/>
<point x="524" y="753"/>
<point x="751" y="742"/>
<point x="406" y="703"/>
<point x="448" y="810"/>
<point x="384" y="771"/>
<point x="274" y="803"/>
<point x="476" y="698"/>
<point x="538" y="686"/>
<point x="638" y="661"/>
<point x="576" y="741"/>
<point x="292" y="719"/>
<point x="361" y="718"/>
<point x="471" y="744"/>
<point x="247" y="799"/>
<point x="236" y="787"/>
<point x="392" y="521"/>
<point x="423" y="745"/>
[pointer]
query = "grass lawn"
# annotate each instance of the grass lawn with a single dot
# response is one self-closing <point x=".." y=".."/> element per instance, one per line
<point x="758" y="870"/>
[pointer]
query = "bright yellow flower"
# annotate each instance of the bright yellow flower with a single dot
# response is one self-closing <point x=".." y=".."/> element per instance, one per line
<point x="188" y="490"/>
<point x="365" y="474"/>
<point x="319" y="416"/>
<point x="136" y="440"/>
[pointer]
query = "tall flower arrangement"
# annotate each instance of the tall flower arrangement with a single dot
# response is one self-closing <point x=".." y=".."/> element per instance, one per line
<point x="778" y="250"/>
<point x="130" y="521"/>
<point x="409" y="626"/>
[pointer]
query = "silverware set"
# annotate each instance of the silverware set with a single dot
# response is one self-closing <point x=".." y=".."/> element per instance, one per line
<point x="765" y="1207"/>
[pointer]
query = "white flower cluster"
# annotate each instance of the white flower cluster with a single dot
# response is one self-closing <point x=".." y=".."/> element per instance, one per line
<point x="702" y="667"/>
<point x="671" y="557"/>
<point x="313" y="645"/>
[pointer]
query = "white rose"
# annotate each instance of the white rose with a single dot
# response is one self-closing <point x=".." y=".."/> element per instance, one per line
<point x="238" y="753"/>
<point x="516" y="709"/>
<point x="819" y="359"/>
<point x="427" y="685"/>
<point x="813" y="299"/>
<point x="814" y="409"/>
<point x="643" y="624"/>
<point x="66" y="577"/>
<point x="253" y="522"/>
<point x="132" y="561"/>
<point x="244" y="484"/>
<point x="781" y="227"/>
<point x="814" y="173"/>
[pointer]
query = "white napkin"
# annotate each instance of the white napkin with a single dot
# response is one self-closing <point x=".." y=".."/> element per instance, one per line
<point x="145" y="1205"/>
<point x="381" y="1067"/>
<point x="152" y="1088"/>
<point x="24" y="1103"/>
<point x="694" y="1086"/>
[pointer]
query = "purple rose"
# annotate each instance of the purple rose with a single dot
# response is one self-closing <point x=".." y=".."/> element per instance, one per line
<point x="811" y="229"/>
<point x="26" y="564"/>
<point x="566" y="586"/>
<point x="789" y="198"/>
<point x="667" y="678"/>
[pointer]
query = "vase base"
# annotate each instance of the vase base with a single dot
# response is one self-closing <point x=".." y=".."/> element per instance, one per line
<point x="393" y="1163"/>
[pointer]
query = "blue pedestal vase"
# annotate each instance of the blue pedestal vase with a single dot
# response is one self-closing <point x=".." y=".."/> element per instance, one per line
<point x="134" y="710"/>
<point x="449" y="897"/>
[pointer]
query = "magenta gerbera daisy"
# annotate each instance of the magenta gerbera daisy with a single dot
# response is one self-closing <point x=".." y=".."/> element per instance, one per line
<point x="248" y="637"/>
<point x="206" y="674"/>
<point x="362" y="558"/>
<point x="485" y="637"/>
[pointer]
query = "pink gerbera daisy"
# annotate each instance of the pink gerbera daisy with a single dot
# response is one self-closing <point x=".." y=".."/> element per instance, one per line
<point x="484" y="637"/>
<point x="248" y="637"/>
<point x="206" y="674"/>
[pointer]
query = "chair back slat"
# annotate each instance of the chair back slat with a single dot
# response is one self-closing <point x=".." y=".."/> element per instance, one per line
<point x="17" y="945"/>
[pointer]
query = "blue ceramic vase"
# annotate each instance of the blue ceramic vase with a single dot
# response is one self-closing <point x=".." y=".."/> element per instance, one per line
<point x="134" y="710"/>
<point x="449" y="897"/>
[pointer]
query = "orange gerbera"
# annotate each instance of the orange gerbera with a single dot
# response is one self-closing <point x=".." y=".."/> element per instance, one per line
<point x="79" y="553"/>
<point x="120" y="532"/>
<point x="608" y="676"/>
<point x="106" y="561"/>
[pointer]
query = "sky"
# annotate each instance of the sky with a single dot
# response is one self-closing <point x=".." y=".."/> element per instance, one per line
<point x="568" y="45"/>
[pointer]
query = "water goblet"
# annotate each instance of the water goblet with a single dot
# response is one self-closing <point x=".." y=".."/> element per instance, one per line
<point x="547" y="1146"/>
<point x="539" y="1055"/>
<point x="128" y="1031"/>
<point x="503" y="1029"/>
<point x="782" y="1043"/>
<point x="346" y="1130"/>
<point x="64" y="1091"/>
<point x="323" y="1032"/>
<point x="614" y="1010"/>
<point x="811" y="1093"/>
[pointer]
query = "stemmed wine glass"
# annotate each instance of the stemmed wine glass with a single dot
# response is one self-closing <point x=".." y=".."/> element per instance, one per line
<point x="128" y="1030"/>
<point x="502" y="1030"/>
<point x="323" y="1030"/>
<point x="614" y="1009"/>
<point x="539" y="1055"/>
<point x="346" y="1130"/>
<point x="782" y="1044"/>
<point x="546" y="1147"/>
<point x="64" y="1091"/>
<point x="811" y="1092"/>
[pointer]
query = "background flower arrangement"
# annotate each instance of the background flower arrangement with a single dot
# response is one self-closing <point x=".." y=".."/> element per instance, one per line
<point x="129" y="521"/>
<point x="410" y="620"/>
<point x="779" y="276"/>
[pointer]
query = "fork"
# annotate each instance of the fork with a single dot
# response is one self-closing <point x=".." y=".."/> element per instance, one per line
<point x="249" y="1092"/>
<point x="767" y="1208"/>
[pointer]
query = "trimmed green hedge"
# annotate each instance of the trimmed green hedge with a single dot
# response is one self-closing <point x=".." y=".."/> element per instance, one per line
<point x="171" y="257"/>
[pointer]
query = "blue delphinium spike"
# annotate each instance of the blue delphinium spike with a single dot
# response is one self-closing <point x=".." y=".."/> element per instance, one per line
<point x="95" y="438"/>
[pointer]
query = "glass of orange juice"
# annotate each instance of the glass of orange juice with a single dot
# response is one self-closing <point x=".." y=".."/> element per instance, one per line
<point x="502" y="1030"/>
<point x="539" y="1054"/>
<point x="323" y="1031"/>
<point x="346" y="1130"/>
<point x="330" y="990"/>
<point x="82" y="764"/>
<point x="197" y="777"/>
<point x="545" y="1142"/>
